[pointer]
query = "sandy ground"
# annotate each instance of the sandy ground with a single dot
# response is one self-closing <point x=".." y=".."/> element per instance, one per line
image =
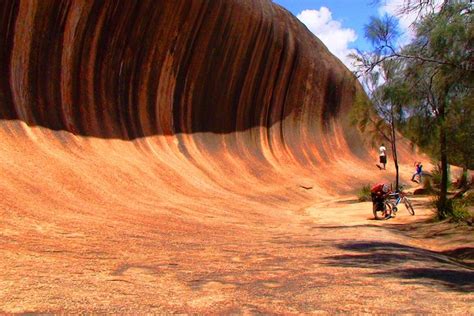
<point x="109" y="226"/>
<point x="331" y="257"/>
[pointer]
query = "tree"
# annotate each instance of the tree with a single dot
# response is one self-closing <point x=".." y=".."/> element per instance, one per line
<point x="437" y="65"/>
<point x="382" y="115"/>
<point x="442" y="74"/>
<point x="460" y="131"/>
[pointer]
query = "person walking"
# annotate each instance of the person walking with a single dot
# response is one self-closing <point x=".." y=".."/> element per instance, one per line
<point x="418" y="172"/>
<point x="383" y="156"/>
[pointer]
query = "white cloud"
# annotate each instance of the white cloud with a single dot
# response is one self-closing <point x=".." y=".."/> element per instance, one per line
<point x="330" y="32"/>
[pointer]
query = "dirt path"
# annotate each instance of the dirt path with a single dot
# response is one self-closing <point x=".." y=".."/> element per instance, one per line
<point x="330" y="257"/>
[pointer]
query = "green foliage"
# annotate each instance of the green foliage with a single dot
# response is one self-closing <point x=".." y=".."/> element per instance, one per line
<point x="459" y="211"/>
<point x="468" y="199"/>
<point x="437" y="173"/>
<point x="456" y="124"/>
<point x="363" y="194"/>
<point x="460" y="129"/>
<point x="381" y="30"/>
<point x="428" y="87"/>
<point x="454" y="209"/>
<point x="416" y="128"/>
<point x="436" y="176"/>
<point x="363" y="116"/>
<point x="360" y="111"/>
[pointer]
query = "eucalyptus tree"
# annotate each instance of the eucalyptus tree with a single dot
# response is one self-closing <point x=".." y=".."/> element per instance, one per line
<point x="385" y="112"/>
<point x="437" y="65"/>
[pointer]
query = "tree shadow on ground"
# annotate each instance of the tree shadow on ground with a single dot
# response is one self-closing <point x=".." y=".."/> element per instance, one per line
<point x="406" y="262"/>
<point x="459" y="281"/>
<point x="423" y="228"/>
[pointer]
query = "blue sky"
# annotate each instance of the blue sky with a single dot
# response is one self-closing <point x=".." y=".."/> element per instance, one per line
<point x="353" y="14"/>
<point x="340" y="23"/>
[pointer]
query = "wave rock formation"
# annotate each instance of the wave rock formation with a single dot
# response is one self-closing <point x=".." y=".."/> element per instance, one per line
<point x="195" y="106"/>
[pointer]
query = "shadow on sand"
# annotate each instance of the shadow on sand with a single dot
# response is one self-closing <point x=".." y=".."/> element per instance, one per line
<point x="410" y="263"/>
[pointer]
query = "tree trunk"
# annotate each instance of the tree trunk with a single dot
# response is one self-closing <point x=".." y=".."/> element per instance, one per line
<point x="394" y="153"/>
<point x="443" y="194"/>
<point x="463" y="180"/>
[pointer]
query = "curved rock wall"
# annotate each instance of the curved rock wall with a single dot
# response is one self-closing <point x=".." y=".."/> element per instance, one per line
<point x="128" y="69"/>
<point x="187" y="98"/>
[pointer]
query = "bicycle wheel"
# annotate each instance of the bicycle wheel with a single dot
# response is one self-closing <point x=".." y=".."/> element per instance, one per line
<point x="382" y="210"/>
<point x="390" y="209"/>
<point x="408" y="205"/>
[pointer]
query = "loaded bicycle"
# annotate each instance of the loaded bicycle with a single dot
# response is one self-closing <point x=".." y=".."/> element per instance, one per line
<point x="385" y="206"/>
<point x="394" y="199"/>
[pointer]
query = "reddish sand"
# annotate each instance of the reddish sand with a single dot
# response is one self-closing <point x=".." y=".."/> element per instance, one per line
<point x="93" y="228"/>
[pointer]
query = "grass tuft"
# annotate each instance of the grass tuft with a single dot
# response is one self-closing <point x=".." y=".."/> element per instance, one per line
<point x="455" y="210"/>
<point x="363" y="195"/>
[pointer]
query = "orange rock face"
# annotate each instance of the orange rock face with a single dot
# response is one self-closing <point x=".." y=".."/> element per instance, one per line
<point x="234" y="85"/>
<point x="235" y="96"/>
<point x="129" y="70"/>
<point x="157" y="156"/>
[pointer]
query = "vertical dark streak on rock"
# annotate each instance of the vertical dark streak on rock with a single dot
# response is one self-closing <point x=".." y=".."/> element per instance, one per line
<point x="8" y="16"/>
<point x="234" y="90"/>
<point x="122" y="27"/>
<point x="276" y="88"/>
<point x="45" y="65"/>
<point x="127" y="86"/>
<point x="181" y="104"/>
<point x="152" y="93"/>
<point x="149" y="81"/>
<point x="287" y="90"/>
<point x="81" y="106"/>
<point x="267" y="90"/>
<point x="247" y="99"/>
<point x="137" y="72"/>
<point x="181" y="82"/>
<point x="210" y="68"/>
<point x="332" y="99"/>
<point x="260" y="86"/>
<point x="56" y="87"/>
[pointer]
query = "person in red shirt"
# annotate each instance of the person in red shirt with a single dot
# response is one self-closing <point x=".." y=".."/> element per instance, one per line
<point x="379" y="193"/>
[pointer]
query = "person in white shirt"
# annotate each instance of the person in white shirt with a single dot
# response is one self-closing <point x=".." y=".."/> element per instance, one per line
<point x="383" y="156"/>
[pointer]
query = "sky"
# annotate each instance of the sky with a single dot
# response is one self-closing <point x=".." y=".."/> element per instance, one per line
<point x="340" y="23"/>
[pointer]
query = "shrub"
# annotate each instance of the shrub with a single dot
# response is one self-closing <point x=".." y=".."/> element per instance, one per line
<point x="455" y="210"/>
<point x="363" y="194"/>
<point x="460" y="212"/>
<point x="436" y="175"/>
<point x="468" y="198"/>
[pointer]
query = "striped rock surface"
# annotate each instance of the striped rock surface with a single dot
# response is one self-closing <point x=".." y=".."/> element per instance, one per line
<point x="203" y="95"/>
<point x="134" y="133"/>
